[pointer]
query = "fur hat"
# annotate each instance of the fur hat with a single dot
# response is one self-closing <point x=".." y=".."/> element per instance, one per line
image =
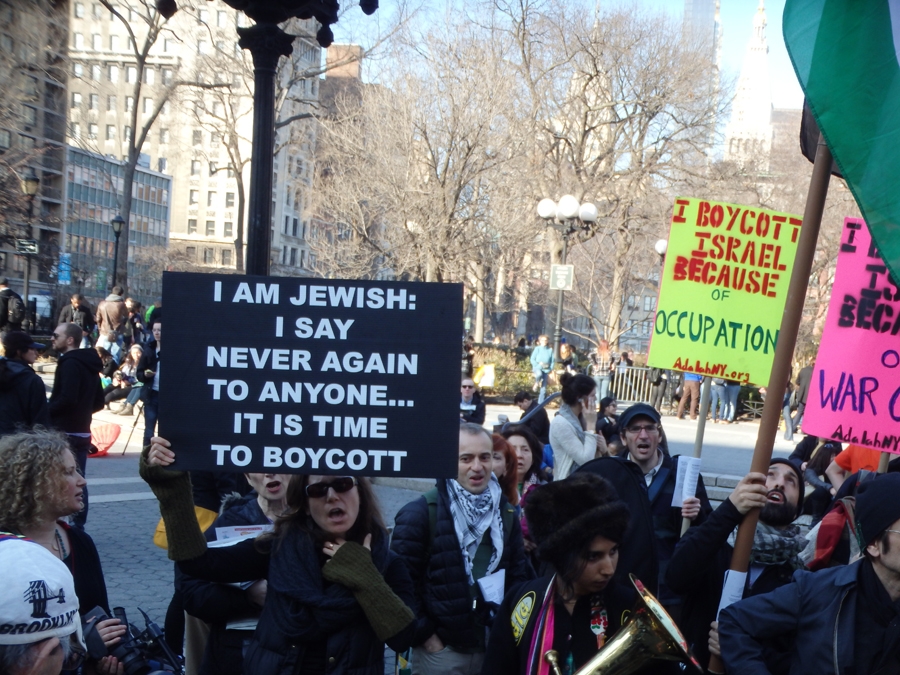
<point x="566" y="515"/>
<point x="877" y="506"/>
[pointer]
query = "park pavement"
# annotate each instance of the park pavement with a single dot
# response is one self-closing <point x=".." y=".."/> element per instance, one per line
<point x="123" y="512"/>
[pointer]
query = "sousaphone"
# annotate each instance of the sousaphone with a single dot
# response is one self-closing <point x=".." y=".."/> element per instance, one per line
<point x="649" y="633"/>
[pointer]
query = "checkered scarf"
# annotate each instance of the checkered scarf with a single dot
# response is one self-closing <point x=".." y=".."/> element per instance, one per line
<point x="472" y="516"/>
<point x="775" y="546"/>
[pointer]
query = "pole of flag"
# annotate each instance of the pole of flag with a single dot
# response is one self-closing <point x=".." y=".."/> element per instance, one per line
<point x="698" y="438"/>
<point x="784" y="351"/>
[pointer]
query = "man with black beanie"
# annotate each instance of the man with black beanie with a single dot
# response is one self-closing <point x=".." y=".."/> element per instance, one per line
<point x="578" y="524"/>
<point x="838" y="620"/>
<point x="697" y="568"/>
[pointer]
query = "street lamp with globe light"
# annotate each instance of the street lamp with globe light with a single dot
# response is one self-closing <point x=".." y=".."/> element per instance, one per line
<point x="30" y="184"/>
<point x="567" y="216"/>
<point x="117" y="224"/>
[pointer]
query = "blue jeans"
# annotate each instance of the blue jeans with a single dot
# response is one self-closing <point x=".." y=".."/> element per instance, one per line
<point x="602" y="382"/>
<point x="788" y="424"/>
<point x="151" y="413"/>
<point x="732" y="391"/>
<point x="541" y="378"/>
<point x="81" y="448"/>
<point x="717" y="398"/>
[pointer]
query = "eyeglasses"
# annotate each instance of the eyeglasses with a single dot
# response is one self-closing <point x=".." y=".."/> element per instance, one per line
<point x="894" y="531"/>
<point x="339" y="485"/>
<point x="468" y="386"/>
<point x="75" y="653"/>
<point x="649" y="428"/>
<point x="56" y="335"/>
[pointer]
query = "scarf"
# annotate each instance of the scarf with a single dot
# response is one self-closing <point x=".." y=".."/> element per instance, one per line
<point x="775" y="546"/>
<point x="566" y="413"/>
<point x="472" y="516"/>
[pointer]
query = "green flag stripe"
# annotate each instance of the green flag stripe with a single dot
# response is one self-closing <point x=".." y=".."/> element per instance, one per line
<point x="843" y="54"/>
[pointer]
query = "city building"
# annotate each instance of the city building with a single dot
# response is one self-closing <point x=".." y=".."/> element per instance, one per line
<point x="33" y="40"/>
<point x="93" y="185"/>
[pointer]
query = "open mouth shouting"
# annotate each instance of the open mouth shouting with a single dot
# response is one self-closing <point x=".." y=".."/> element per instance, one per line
<point x="274" y="487"/>
<point x="775" y="496"/>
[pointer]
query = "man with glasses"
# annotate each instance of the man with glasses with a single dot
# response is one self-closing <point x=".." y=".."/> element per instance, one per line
<point x="471" y="407"/>
<point x="842" y="619"/>
<point x="462" y="544"/>
<point x="641" y="431"/>
<point x="77" y="394"/>
<point x="40" y="629"/>
<point x="148" y="373"/>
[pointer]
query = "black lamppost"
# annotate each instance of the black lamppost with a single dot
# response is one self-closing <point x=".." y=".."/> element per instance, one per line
<point x="568" y="216"/>
<point x="117" y="224"/>
<point x="30" y="185"/>
<point x="267" y="42"/>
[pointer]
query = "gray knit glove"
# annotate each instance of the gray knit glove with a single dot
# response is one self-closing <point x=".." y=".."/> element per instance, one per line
<point x="352" y="567"/>
<point x="176" y="506"/>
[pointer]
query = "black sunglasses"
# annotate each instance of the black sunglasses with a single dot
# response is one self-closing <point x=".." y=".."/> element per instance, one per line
<point x="339" y="485"/>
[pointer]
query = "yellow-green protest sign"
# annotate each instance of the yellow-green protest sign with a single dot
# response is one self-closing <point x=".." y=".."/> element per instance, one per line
<point x="723" y="290"/>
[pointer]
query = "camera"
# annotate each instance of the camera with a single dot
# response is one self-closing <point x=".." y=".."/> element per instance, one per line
<point x="140" y="652"/>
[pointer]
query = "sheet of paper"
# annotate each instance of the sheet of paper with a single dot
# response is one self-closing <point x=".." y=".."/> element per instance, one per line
<point x="242" y="624"/>
<point x="686" y="480"/>
<point x="493" y="586"/>
<point x="732" y="589"/>
<point x="241" y="531"/>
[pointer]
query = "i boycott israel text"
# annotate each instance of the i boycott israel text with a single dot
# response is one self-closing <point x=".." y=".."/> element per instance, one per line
<point x="723" y="289"/>
<point x="319" y="376"/>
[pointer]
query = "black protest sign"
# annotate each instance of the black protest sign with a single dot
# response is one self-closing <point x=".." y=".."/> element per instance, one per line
<point x="319" y="376"/>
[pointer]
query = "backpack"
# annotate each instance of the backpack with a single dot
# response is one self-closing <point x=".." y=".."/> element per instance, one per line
<point x="15" y="309"/>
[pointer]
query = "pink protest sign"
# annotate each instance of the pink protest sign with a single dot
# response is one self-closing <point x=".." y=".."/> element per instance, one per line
<point x="854" y="396"/>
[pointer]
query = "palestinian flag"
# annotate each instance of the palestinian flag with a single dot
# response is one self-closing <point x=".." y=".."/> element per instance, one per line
<point x="846" y="54"/>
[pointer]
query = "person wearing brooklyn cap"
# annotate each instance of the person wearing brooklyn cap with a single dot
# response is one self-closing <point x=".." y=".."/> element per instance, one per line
<point x="698" y="565"/>
<point x="23" y="398"/>
<point x="40" y="629"/>
<point x="578" y="524"/>
<point x="838" y="620"/>
<point x="641" y="431"/>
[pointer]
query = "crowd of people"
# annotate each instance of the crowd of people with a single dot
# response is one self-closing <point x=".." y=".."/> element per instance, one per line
<point x="527" y="552"/>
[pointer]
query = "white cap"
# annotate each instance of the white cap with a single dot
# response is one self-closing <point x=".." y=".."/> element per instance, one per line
<point x="37" y="596"/>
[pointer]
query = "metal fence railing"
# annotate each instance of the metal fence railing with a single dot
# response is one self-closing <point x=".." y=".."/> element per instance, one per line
<point x="631" y="385"/>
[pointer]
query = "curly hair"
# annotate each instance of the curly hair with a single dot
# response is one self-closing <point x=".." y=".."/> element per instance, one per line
<point x="32" y="466"/>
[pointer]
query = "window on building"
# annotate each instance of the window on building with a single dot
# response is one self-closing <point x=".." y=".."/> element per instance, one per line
<point x="229" y="200"/>
<point x="287" y="224"/>
<point x="113" y="43"/>
<point x="164" y="135"/>
<point x="93" y="130"/>
<point x="217" y="109"/>
<point x="211" y="198"/>
<point x="5" y="139"/>
<point x="192" y="200"/>
<point x="195" y="167"/>
<point x="168" y="44"/>
<point x="649" y="303"/>
<point x="93" y="101"/>
<point x="198" y="137"/>
<point x="148" y="105"/>
<point x="76" y="130"/>
<point x="192" y="226"/>
<point x="78" y="41"/>
<point x="230" y="172"/>
<point x="29" y="114"/>
<point x="213" y="168"/>
<point x="221" y="19"/>
<point x="110" y="132"/>
<point x="96" y="73"/>
<point x="203" y="16"/>
<point x="113" y="73"/>
<point x="76" y="99"/>
<point x="79" y="10"/>
<point x="302" y="258"/>
<point x="96" y="10"/>
<point x="167" y="76"/>
<point x="190" y="252"/>
<point x="77" y="70"/>
<point x="293" y="262"/>
<point x="129" y="103"/>
<point x="202" y="47"/>
<point x="131" y="74"/>
<point x="210" y="228"/>
<point x="161" y="164"/>
<point x="126" y="134"/>
<point x="214" y="139"/>
<point x="111" y="103"/>
<point x="209" y="256"/>
<point x="226" y="256"/>
<point x="632" y="302"/>
<point x="149" y="76"/>
<point x="96" y="42"/>
<point x="294" y="228"/>
<point x="228" y="229"/>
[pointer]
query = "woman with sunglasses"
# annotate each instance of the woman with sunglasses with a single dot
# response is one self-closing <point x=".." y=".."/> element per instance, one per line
<point x="336" y="594"/>
<point x="41" y="487"/>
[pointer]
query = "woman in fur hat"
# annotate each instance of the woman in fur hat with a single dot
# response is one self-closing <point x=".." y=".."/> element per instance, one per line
<point x="578" y="524"/>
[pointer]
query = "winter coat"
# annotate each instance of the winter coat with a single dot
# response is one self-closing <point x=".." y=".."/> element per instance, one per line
<point x="816" y="614"/>
<point x="443" y="599"/>
<point x="350" y="644"/>
<point x="77" y="391"/>
<point x="697" y="572"/>
<point x="539" y="422"/>
<point x="82" y="316"/>
<point x="5" y="296"/>
<point x="149" y="361"/>
<point x="23" y="398"/>
<point x="218" y="604"/>
<point x="542" y="359"/>
<point x="112" y="315"/>
<point x="569" y="452"/>
<point x="83" y="562"/>
<point x="476" y="414"/>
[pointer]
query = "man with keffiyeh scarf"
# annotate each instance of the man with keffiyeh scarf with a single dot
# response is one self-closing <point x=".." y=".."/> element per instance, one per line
<point x="456" y="538"/>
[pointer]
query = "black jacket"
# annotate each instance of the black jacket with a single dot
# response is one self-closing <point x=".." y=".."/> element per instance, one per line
<point x="539" y="422"/>
<point x="476" y="415"/>
<point x="697" y="571"/>
<point x="83" y="316"/>
<point x="5" y="295"/>
<point x="443" y="600"/>
<point x="218" y="604"/>
<point x="77" y="391"/>
<point x="149" y="360"/>
<point x="23" y="398"/>
<point x="83" y="562"/>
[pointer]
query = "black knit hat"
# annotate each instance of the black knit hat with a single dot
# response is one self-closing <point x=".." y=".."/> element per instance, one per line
<point x="638" y="409"/>
<point x="567" y="515"/>
<point x="801" y="485"/>
<point x="877" y="506"/>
